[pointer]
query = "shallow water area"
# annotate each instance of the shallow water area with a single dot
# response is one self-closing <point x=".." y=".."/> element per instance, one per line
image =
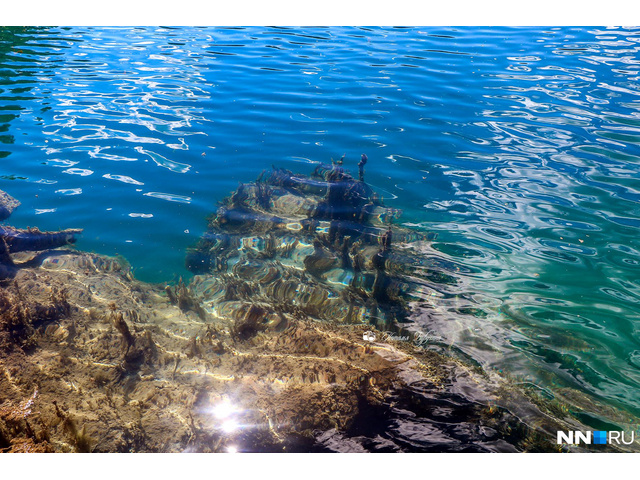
<point x="515" y="150"/>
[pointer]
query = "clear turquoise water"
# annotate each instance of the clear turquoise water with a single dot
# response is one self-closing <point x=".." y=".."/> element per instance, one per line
<point x="519" y="147"/>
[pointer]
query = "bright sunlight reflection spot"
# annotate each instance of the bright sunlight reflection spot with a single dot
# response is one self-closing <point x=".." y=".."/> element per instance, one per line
<point x="230" y="426"/>
<point x="224" y="409"/>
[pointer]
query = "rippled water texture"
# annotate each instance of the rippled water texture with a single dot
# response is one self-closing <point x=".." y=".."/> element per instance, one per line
<point x="517" y="146"/>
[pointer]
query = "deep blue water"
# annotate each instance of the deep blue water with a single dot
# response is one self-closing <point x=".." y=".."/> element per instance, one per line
<point x="519" y="147"/>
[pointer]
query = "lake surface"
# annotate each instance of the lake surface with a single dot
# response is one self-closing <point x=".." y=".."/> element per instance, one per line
<point x="518" y="147"/>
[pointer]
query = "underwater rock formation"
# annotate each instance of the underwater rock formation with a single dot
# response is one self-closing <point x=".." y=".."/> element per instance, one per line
<point x="270" y="348"/>
<point x="108" y="364"/>
<point x="13" y="240"/>
<point x="322" y="245"/>
<point x="116" y="367"/>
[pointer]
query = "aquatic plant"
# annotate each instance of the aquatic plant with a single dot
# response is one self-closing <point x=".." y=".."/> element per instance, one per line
<point x="16" y="433"/>
<point x="183" y="297"/>
<point x="79" y="438"/>
<point x="20" y="317"/>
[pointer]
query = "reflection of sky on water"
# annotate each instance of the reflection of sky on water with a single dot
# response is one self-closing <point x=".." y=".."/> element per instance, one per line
<point x="518" y="147"/>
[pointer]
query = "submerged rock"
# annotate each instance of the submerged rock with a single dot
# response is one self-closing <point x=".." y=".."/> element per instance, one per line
<point x="324" y="244"/>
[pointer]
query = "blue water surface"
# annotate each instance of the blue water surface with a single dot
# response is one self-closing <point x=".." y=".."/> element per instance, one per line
<point x="518" y="147"/>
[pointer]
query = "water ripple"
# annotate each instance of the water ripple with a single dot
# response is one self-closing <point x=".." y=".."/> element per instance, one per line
<point x="518" y="147"/>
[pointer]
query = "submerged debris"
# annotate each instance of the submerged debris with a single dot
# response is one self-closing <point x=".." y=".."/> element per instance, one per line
<point x="13" y="240"/>
<point x="361" y="164"/>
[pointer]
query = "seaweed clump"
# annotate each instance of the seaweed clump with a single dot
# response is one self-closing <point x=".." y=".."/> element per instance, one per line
<point x="20" y="317"/>
<point x="17" y="435"/>
<point x="183" y="298"/>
